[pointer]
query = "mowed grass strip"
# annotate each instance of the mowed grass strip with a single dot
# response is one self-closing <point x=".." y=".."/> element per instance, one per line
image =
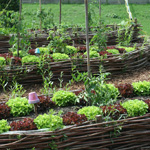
<point x="74" y="14"/>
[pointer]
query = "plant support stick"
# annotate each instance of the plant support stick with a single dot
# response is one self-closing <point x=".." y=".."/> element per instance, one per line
<point x="87" y="37"/>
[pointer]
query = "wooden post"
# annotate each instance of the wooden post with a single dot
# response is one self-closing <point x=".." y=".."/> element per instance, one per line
<point x="87" y="37"/>
<point x="40" y="13"/>
<point x="99" y="8"/>
<point x="60" y="12"/>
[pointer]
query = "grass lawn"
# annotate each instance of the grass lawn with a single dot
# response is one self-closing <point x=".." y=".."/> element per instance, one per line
<point x="73" y="14"/>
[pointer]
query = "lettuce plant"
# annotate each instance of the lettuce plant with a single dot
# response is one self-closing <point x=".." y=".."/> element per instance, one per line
<point x="30" y="59"/>
<point x="44" y="50"/>
<point x="90" y="112"/>
<point x="141" y="88"/>
<point x="4" y="127"/>
<point x="2" y="61"/>
<point x="4" y="111"/>
<point x="59" y="56"/>
<point x="25" y="124"/>
<point x="19" y="106"/>
<point x="50" y="121"/>
<point x="135" y="107"/>
<point x="128" y="49"/>
<point x="71" y="118"/>
<point x="113" y="51"/>
<point x="21" y="53"/>
<point x="64" y="98"/>
<point x="70" y="50"/>
<point x="93" y="54"/>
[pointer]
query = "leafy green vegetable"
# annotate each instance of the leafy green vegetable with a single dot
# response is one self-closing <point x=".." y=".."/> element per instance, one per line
<point x="90" y="112"/>
<point x="135" y="107"/>
<point x="2" y="61"/>
<point x="70" y="50"/>
<point x="113" y="51"/>
<point x="64" y="98"/>
<point x="4" y="127"/>
<point x="94" y="48"/>
<point x="50" y="121"/>
<point x="21" y="53"/>
<point x="93" y="54"/>
<point x="59" y="56"/>
<point x="44" y="50"/>
<point x="30" y="59"/>
<point x="128" y="49"/>
<point x="19" y="106"/>
<point x="141" y="88"/>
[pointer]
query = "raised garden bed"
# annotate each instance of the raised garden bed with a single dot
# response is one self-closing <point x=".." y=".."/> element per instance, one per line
<point x="115" y="64"/>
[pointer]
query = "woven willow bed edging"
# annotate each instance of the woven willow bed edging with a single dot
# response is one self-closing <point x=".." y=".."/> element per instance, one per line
<point x="125" y="134"/>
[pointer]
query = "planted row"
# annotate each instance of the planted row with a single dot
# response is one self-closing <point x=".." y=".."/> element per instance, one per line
<point x="52" y="122"/>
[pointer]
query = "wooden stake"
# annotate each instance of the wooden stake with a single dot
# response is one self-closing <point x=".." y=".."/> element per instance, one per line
<point x="87" y="37"/>
<point x="35" y="109"/>
<point x="18" y="28"/>
<point x="99" y="8"/>
<point x="40" y="18"/>
<point x="60" y="12"/>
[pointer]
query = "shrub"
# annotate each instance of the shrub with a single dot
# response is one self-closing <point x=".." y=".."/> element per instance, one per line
<point x="113" y="51"/>
<point x="30" y="59"/>
<point x="93" y="54"/>
<point x="90" y="112"/>
<point x="50" y="121"/>
<point x="19" y="106"/>
<point x="70" y="50"/>
<point x="64" y="98"/>
<point x="126" y="90"/>
<point x="4" y="127"/>
<point x="135" y="107"/>
<point x="25" y="124"/>
<point x="4" y="111"/>
<point x="2" y="61"/>
<point x="141" y="88"/>
<point x="71" y="118"/>
<point x="59" y="56"/>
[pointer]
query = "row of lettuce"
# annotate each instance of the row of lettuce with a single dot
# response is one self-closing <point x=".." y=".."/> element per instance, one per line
<point x="69" y="52"/>
<point x="51" y="121"/>
<point x="107" y="105"/>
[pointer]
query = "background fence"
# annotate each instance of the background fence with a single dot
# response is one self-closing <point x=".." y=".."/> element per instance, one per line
<point x="82" y="1"/>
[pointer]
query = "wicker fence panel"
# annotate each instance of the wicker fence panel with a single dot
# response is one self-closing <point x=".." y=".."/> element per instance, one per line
<point x="126" y="134"/>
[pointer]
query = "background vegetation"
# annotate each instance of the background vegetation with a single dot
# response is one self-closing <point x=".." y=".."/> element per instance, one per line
<point x="75" y="14"/>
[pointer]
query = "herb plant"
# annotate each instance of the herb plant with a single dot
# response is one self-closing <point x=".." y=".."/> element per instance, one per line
<point x="50" y="121"/>
<point x="141" y="88"/>
<point x="4" y="127"/>
<point x="19" y="106"/>
<point x="64" y="98"/>
<point x="135" y="107"/>
<point x="90" y="112"/>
